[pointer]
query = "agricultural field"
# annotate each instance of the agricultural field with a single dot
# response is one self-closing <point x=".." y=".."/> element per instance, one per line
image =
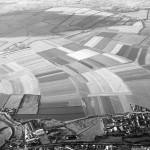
<point x="68" y="60"/>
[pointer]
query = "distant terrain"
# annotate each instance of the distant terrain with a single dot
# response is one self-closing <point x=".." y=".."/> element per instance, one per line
<point x="109" y="5"/>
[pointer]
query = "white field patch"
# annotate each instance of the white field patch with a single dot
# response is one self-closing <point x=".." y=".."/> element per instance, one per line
<point x="6" y="87"/>
<point x="83" y="54"/>
<point x="93" y="84"/>
<point x="94" y="41"/>
<point x="127" y="29"/>
<point x="90" y="13"/>
<point x="115" y="82"/>
<point x="147" y="59"/>
<point x="15" y="66"/>
<point x="39" y="46"/>
<point x="138" y="24"/>
<point x="116" y="49"/>
<point x="30" y="84"/>
<point x="104" y="14"/>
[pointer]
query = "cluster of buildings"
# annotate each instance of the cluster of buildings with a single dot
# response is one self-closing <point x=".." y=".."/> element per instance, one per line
<point x="129" y="125"/>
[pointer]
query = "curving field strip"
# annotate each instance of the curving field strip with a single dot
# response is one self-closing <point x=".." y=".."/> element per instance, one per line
<point x="74" y="63"/>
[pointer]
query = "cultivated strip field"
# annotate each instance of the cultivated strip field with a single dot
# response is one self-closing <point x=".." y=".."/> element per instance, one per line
<point x="68" y="63"/>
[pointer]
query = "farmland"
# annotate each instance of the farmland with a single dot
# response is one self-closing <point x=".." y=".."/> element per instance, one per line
<point x="70" y="62"/>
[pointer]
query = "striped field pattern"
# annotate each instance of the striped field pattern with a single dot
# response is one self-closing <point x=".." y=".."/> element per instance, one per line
<point x="71" y="63"/>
